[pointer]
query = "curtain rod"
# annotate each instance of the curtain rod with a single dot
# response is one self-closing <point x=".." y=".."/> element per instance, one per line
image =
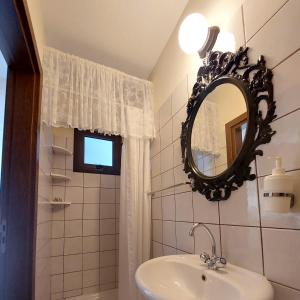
<point x="168" y="187"/>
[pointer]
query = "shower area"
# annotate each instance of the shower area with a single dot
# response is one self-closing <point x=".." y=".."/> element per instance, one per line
<point x="78" y="246"/>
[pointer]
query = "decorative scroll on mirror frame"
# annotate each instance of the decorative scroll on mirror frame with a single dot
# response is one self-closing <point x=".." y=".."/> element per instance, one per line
<point x="255" y="83"/>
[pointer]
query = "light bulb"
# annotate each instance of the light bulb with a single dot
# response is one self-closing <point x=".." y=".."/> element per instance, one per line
<point x="193" y="33"/>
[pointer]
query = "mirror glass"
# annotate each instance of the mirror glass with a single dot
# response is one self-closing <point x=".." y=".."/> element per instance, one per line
<point x="219" y="130"/>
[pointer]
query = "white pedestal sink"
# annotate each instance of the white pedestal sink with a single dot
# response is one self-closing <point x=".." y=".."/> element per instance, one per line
<point x="185" y="277"/>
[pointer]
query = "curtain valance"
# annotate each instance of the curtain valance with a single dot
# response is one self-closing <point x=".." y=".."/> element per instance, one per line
<point x="81" y="94"/>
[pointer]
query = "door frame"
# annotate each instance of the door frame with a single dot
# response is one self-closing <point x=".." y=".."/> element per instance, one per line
<point x="18" y="202"/>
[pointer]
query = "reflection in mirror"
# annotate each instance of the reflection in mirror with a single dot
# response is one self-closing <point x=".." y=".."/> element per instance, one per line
<point x="219" y="130"/>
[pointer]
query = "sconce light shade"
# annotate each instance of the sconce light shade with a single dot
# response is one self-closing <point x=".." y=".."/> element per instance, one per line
<point x="193" y="33"/>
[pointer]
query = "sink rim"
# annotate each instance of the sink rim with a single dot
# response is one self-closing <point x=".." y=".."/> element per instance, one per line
<point x="192" y="260"/>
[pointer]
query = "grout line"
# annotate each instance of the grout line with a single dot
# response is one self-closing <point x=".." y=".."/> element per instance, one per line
<point x="284" y="285"/>
<point x="243" y="22"/>
<point x="268" y="20"/>
<point x="259" y="215"/>
<point x="286" y="58"/>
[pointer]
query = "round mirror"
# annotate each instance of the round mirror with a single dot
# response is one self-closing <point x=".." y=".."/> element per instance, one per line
<point x="219" y="129"/>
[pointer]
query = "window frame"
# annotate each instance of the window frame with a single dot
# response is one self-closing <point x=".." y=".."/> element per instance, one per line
<point x="78" y="155"/>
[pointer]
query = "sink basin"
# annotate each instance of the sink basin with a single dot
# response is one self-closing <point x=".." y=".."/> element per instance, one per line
<point x="185" y="277"/>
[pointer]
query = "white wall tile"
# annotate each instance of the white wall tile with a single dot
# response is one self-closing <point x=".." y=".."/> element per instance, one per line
<point x="91" y="195"/>
<point x="181" y="177"/>
<point x="166" y="159"/>
<point x="180" y="96"/>
<point x="281" y="256"/>
<point x="107" y="275"/>
<point x="91" y="278"/>
<point x="74" y="194"/>
<point x="169" y="250"/>
<point x="165" y="112"/>
<point x="108" y="242"/>
<point x="285" y="293"/>
<point x="168" y="207"/>
<point x="169" y="233"/>
<point x="107" y="211"/>
<point x="108" y="181"/>
<point x="91" y="227"/>
<point x="56" y="265"/>
<point x="285" y="143"/>
<point x="241" y="246"/>
<point x="184" y="207"/>
<point x="177" y="153"/>
<point x="57" y="247"/>
<point x="108" y="258"/>
<point x="166" y="135"/>
<point x="167" y="180"/>
<point x="155" y="165"/>
<point x="91" y="261"/>
<point x="73" y="245"/>
<point x="184" y="241"/>
<point x="72" y="263"/>
<point x="73" y="212"/>
<point x="76" y="178"/>
<point x="157" y="249"/>
<point x="178" y="118"/>
<point x="73" y="228"/>
<point x="286" y="92"/>
<point x="156" y="208"/>
<point x="285" y="25"/>
<point x="257" y="13"/>
<point x="91" y="244"/>
<point x="91" y="180"/>
<point x="56" y="283"/>
<point x="72" y="281"/>
<point x="91" y="211"/>
<point x="245" y="202"/>
<point x="108" y="196"/>
<point x="204" y="211"/>
<point x="107" y="226"/>
<point x="157" y="230"/>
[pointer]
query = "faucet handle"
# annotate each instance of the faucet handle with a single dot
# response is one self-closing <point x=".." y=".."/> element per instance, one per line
<point x="220" y="262"/>
<point x="204" y="257"/>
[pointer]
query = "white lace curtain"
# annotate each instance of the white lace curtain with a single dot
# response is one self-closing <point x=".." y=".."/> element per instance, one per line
<point x="81" y="94"/>
<point x="204" y="134"/>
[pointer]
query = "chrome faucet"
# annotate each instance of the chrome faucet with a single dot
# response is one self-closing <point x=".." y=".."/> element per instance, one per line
<point x="214" y="262"/>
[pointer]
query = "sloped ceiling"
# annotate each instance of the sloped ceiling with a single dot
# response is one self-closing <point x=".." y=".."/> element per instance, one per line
<point x="128" y="35"/>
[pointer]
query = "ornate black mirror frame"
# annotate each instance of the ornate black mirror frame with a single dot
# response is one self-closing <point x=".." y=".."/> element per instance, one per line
<point x="255" y="83"/>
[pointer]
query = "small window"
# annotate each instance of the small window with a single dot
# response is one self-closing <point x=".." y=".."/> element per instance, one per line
<point x="97" y="153"/>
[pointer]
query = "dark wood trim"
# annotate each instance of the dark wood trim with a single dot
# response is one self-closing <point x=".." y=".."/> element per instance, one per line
<point x="233" y="143"/>
<point x="78" y="157"/>
<point x="20" y="151"/>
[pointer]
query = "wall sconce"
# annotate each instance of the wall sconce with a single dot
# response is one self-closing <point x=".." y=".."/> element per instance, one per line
<point x="195" y="35"/>
<point x="278" y="190"/>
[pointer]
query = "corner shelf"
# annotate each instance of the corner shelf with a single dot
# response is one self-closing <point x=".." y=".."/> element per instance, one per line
<point x="61" y="150"/>
<point x="59" y="177"/>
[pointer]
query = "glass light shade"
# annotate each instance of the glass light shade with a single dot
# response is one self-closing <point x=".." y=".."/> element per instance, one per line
<point x="193" y="33"/>
<point x="225" y="42"/>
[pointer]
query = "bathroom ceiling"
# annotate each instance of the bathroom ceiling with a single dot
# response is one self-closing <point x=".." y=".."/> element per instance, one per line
<point x="128" y="35"/>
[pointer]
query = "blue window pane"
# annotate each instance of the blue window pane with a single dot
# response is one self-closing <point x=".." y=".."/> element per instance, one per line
<point x="98" y="152"/>
<point x="3" y="73"/>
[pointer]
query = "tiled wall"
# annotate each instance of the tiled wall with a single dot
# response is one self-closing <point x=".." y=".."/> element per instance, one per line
<point x="84" y="234"/>
<point x="44" y="214"/>
<point x="247" y="236"/>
